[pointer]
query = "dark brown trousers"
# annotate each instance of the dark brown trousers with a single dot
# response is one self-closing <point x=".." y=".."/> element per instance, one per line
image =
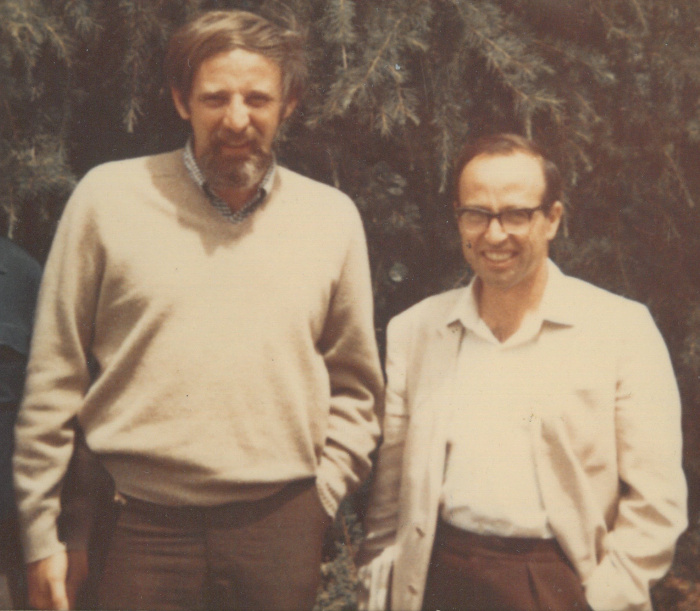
<point x="259" y="555"/>
<point x="471" y="572"/>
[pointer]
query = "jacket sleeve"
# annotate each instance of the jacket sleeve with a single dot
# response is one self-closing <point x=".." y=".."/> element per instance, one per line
<point x="382" y="513"/>
<point x="57" y="377"/>
<point x="381" y="521"/>
<point x="652" y="512"/>
<point x="349" y="349"/>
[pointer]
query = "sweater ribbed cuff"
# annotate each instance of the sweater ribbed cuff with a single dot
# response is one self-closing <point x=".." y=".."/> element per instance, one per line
<point x="41" y="541"/>
<point x="328" y="500"/>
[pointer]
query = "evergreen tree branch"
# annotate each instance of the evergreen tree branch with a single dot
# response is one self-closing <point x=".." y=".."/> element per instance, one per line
<point x="378" y="56"/>
<point x="609" y="22"/>
<point x="377" y="84"/>
<point x="640" y="16"/>
<point x="489" y="36"/>
<point x="337" y="26"/>
<point x="672" y="164"/>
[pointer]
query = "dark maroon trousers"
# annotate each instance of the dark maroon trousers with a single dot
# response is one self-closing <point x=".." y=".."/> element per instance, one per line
<point x="259" y="555"/>
<point x="470" y="572"/>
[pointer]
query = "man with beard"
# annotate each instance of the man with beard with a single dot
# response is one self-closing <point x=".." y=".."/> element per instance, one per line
<point x="206" y="315"/>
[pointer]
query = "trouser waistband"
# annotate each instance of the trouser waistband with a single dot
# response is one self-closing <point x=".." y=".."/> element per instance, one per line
<point x="465" y="543"/>
<point x="176" y="513"/>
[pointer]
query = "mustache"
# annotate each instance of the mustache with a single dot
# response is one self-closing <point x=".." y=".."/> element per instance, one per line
<point x="224" y="138"/>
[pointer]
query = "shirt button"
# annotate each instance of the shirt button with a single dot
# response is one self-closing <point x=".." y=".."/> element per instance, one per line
<point x="419" y="530"/>
<point x="412" y="589"/>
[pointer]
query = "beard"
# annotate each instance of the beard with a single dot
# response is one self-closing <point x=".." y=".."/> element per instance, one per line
<point x="223" y="171"/>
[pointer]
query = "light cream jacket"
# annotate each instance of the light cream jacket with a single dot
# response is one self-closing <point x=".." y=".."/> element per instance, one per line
<point x="608" y="452"/>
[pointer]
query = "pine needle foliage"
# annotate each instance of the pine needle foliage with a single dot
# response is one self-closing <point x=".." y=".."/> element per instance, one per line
<point x="610" y="87"/>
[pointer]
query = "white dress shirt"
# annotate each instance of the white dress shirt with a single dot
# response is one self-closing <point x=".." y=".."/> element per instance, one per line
<point x="490" y="483"/>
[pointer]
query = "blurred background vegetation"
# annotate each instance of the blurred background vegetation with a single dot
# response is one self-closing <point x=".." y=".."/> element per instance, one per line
<point x="610" y="87"/>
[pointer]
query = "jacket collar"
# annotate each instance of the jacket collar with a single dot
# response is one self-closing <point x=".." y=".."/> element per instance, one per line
<point x="557" y="306"/>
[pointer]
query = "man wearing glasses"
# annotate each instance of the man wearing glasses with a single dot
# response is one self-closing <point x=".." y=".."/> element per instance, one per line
<point x="532" y="442"/>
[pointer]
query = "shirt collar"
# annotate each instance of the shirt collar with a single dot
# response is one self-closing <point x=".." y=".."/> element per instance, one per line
<point x="250" y="206"/>
<point x="556" y="306"/>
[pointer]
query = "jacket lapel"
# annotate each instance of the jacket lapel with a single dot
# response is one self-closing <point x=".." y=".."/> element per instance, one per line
<point x="426" y="443"/>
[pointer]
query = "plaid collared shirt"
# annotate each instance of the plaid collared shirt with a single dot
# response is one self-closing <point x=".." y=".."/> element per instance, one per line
<point x="220" y="205"/>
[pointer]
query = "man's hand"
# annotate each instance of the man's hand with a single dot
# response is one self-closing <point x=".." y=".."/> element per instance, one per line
<point x="77" y="574"/>
<point x="46" y="582"/>
<point x="54" y="582"/>
<point x="373" y="581"/>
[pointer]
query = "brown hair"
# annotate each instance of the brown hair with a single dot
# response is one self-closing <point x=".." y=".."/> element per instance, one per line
<point x="508" y="144"/>
<point x="217" y="32"/>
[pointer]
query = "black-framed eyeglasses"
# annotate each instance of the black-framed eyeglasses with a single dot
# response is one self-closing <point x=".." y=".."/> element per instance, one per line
<point x="513" y="220"/>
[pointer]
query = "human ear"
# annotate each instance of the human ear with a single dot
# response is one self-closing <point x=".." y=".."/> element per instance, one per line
<point x="180" y="104"/>
<point x="554" y="219"/>
<point x="289" y="108"/>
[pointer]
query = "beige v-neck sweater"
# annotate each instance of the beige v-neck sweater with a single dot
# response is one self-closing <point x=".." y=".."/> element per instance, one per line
<point x="226" y="355"/>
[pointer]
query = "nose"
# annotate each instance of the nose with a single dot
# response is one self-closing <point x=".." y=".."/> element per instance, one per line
<point x="237" y="117"/>
<point x="495" y="231"/>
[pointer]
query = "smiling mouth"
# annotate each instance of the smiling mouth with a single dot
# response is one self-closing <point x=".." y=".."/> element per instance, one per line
<point x="498" y="257"/>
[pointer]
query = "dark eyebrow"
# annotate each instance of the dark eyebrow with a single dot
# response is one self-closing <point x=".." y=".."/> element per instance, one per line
<point x="205" y="95"/>
<point x="485" y="209"/>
